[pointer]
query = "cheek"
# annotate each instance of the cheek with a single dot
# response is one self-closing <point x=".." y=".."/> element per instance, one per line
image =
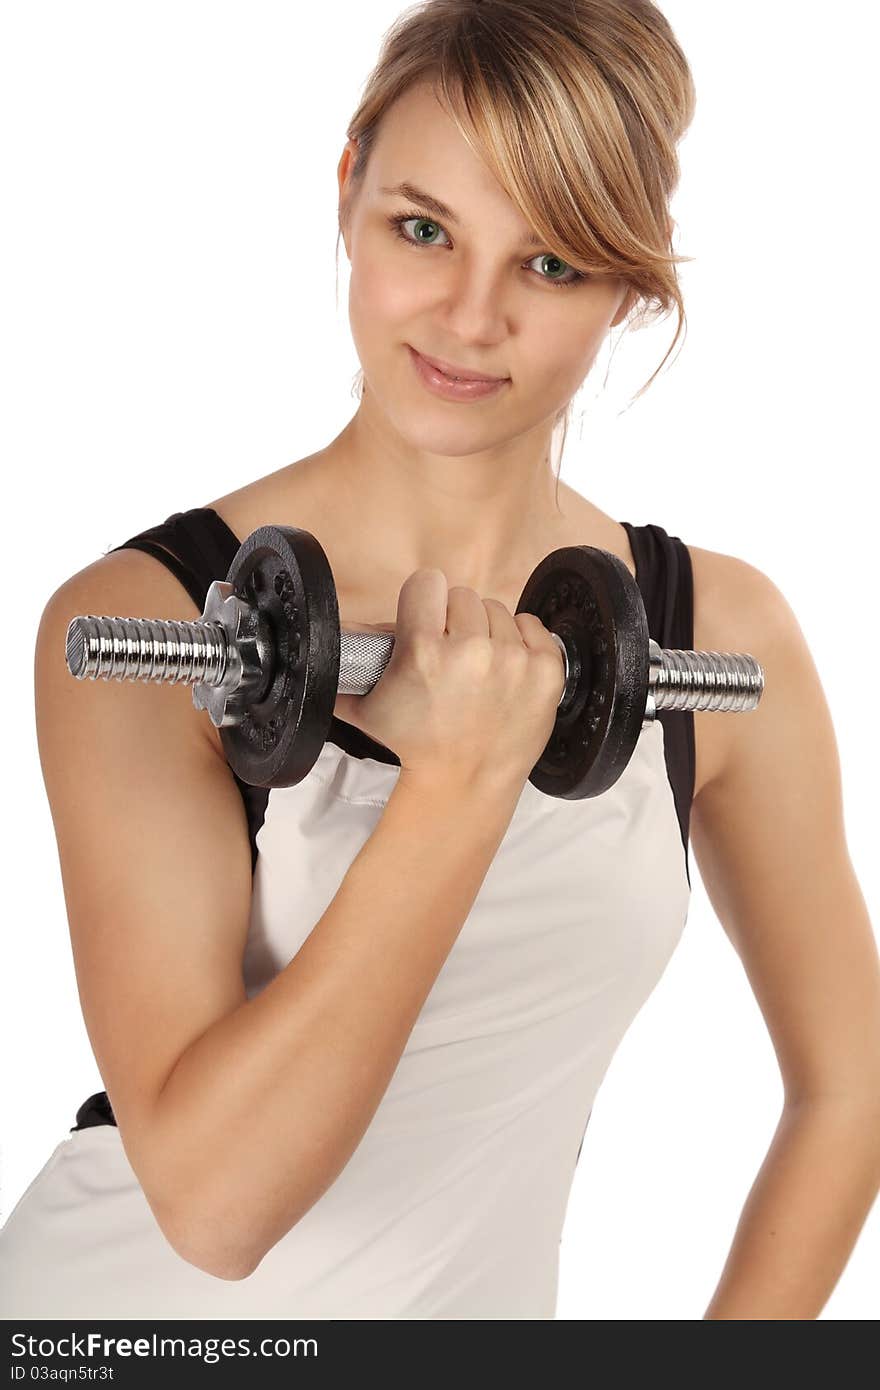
<point x="380" y="295"/>
<point x="562" y="350"/>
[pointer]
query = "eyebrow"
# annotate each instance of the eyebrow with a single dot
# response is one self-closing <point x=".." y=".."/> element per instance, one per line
<point x="418" y="195"/>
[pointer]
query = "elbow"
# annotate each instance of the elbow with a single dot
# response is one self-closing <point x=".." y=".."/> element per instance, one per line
<point x="212" y="1244"/>
<point x="219" y="1265"/>
<point x="223" y="1241"/>
<point x="214" y="1230"/>
<point x="212" y="1234"/>
<point x="221" y="1258"/>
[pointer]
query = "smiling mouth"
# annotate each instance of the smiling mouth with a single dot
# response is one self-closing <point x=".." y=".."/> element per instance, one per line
<point x="458" y="373"/>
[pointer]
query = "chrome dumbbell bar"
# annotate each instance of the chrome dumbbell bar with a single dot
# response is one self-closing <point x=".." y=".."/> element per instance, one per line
<point x="226" y="658"/>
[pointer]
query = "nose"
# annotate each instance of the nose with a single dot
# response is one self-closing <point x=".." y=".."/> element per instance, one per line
<point x="476" y="305"/>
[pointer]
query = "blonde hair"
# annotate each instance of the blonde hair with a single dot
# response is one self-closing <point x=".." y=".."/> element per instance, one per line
<point x="575" y="106"/>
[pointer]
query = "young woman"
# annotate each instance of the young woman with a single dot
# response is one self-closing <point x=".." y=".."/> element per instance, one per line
<point x="352" y="1030"/>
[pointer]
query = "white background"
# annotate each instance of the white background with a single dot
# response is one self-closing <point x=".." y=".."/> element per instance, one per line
<point x="171" y="332"/>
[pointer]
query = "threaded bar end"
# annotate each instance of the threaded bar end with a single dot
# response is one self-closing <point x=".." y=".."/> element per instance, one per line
<point x="707" y="681"/>
<point x="146" y="649"/>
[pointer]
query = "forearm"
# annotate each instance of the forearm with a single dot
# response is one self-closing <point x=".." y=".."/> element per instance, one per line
<point x="803" y="1214"/>
<point x="263" y="1111"/>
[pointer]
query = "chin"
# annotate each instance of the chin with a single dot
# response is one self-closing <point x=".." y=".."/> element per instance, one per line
<point x="423" y="428"/>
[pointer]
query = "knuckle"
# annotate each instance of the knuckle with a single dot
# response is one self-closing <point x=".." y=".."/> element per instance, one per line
<point x="551" y="666"/>
<point x="516" y="659"/>
<point x="475" y="644"/>
<point x="475" y="652"/>
<point x="421" y="649"/>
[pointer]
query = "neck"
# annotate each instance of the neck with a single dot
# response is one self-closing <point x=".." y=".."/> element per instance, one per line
<point x="480" y="517"/>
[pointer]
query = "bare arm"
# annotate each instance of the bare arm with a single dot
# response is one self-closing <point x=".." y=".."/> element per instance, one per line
<point x="770" y="838"/>
<point x="237" y="1114"/>
<point x="292" y="1078"/>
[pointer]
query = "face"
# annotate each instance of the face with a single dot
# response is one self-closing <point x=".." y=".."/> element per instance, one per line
<point x="468" y="287"/>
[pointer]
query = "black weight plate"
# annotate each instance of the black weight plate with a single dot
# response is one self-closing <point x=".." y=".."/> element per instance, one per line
<point x="589" y="597"/>
<point x="284" y="573"/>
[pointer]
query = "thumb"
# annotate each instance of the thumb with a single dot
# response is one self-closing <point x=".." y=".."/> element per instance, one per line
<point x="347" y="707"/>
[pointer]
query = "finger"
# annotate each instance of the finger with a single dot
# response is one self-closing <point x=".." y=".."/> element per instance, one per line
<point x="535" y="635"/>
<point x="421" y="604"/>
<point x="538" y="638"/>
<point x="502" y="628"/>
<point x="465" y="614"/>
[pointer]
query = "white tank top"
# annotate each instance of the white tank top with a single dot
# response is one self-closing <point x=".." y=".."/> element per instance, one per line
<point x="452" y="1205"/>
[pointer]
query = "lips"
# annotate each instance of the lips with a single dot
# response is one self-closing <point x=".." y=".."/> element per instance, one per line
<point x="462" y="373"/>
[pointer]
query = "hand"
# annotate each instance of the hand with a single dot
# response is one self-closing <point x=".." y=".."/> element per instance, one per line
<point x="469" y="688"/>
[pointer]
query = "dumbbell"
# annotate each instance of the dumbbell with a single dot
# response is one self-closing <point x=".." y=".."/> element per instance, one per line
<point x="268" y="657"/>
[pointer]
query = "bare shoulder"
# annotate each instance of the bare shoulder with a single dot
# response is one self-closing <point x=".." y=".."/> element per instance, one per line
<point x="132" y="584"/>
<point x="737" y="608"/>
<point x="733" y="600"/>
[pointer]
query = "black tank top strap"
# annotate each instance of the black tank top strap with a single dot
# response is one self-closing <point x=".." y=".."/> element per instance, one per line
<point x="665" y="578"/>
<point x="197" y="546"/>
<point x="171" y="562"/>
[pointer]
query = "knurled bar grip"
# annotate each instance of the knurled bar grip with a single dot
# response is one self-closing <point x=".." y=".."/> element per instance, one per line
<point x="363" y="657"/>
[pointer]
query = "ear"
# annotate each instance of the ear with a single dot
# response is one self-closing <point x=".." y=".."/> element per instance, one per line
<point x="626" y="304"/>
<point x="343" y="173"/>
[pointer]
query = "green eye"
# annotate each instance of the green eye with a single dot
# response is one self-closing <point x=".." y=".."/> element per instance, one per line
<point x="399" y="220"/>
<point x="552" y="259"/>
<point x="424" y="222"/>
